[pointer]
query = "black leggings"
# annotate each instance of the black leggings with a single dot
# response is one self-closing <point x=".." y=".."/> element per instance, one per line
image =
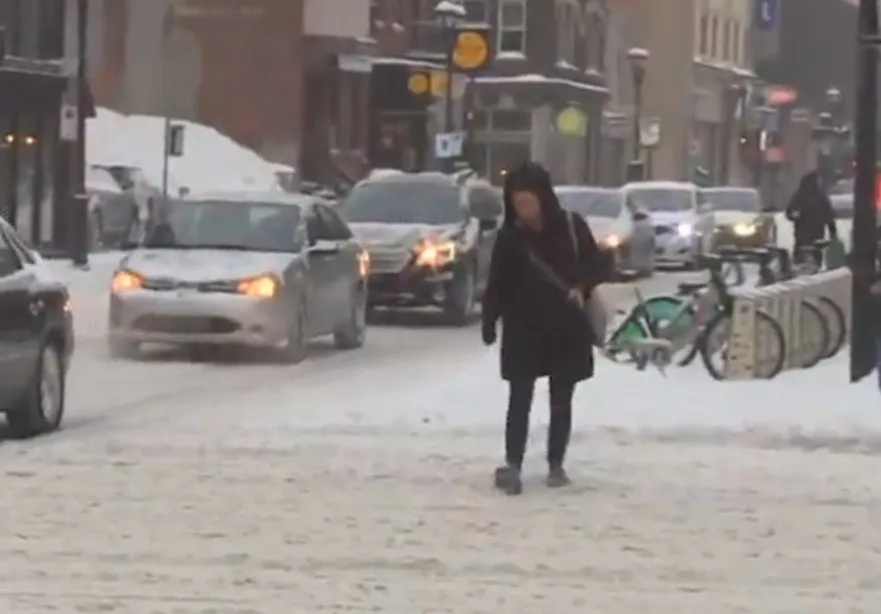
<point x="517" y="425"/>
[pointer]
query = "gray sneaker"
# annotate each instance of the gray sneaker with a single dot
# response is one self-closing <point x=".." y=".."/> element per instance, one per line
<point x="507" y="479"/>
<point x="557" y="478"/>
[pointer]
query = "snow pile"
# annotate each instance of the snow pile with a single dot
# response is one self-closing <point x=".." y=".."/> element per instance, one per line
<point x="211" y="160"/>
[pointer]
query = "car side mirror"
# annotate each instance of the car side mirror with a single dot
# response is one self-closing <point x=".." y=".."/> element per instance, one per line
<point x="640" y="216"/>
<point x="488" y="225"/>
<point x="128" y="246"/>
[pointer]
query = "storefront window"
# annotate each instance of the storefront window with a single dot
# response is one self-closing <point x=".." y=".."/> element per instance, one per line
<point x="25" y="142"/>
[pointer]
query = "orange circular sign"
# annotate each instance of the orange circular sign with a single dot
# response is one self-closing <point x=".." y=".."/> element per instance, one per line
<point x="418" y="83"/>
<point x="472" y="50"/>
<point x="438" y="83"/>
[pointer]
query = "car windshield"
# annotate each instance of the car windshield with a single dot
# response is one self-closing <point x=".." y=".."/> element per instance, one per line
<point x="591" y="203"/>
<point x="247" y="226"/>
<point x="734" y="200"/>
<point x="661" y="199"/>
<point x="404" y="202"/>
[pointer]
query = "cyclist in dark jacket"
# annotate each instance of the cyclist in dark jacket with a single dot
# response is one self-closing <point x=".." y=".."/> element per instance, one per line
<point x="545" y="332"/>
<point x="810" y="211"/>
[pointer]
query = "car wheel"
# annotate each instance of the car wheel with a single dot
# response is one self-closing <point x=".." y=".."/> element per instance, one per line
<point x="461" y="297"/>
<point x="295" y="348"/>
<point x="43" y="407"/>
<point x="352" y="333"/>
<point x="119" y="348"/>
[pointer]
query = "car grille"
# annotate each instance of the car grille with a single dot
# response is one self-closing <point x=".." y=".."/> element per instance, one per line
<point x="167" y="284"/>
<point x="388" y="261"/>
<point x="185" y="325"/>
<point x="664" y="230"/>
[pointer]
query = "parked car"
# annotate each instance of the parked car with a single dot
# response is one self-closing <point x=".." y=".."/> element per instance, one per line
<point x="263" y="270"/>
<point x="429" y="237"/>
<point x="36" y="339"/>
<point x="617" y="223"/>
<point x="112" y="210"/>
<point x="684" y="223"/>
<point x="741" y="221"/>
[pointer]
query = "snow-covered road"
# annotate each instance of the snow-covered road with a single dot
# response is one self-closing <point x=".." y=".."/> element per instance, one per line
<point x="360" y="482"/>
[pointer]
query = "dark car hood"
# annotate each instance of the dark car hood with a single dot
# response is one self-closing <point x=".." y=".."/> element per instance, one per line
<point x="373" y="235"/>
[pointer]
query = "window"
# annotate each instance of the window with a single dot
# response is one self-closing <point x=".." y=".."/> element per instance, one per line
<point x="704" y="36"/>
<point x="9" y="262"/>
<point x="736" y="44"/>
<point x="334" y="227"/>
<point x="566" y="27"/>
<point x="714" y="37"/>
<point x="727" y="41"/>
<point x="411" y="201"/>
<point x="512" y="26"/>
<point x="597" y="34"/>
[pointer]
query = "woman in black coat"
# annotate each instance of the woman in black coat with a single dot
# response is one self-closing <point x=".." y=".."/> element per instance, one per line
<point x="545" y="330"/>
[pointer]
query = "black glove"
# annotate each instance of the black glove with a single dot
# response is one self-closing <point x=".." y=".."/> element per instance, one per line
<point x="488" y="332"/>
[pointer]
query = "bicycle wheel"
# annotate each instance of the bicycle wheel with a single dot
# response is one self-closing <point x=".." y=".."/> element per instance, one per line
<point x="714" y="340"/>
<point x="837" y="325"/>
<point x="815" y="324"/>
<point x="631" y="330"/>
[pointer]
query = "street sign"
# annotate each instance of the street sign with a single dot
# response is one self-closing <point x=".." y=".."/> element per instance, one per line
<point x="68" y="124"/>
<point x="649" y="132"/>
<point x="175" y="140"/>
<point x="448" y="145"/>
<point x="767" y="15"/>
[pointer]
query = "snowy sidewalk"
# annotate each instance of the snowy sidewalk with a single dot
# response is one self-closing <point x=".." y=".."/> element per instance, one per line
<point x="369" y="490"/>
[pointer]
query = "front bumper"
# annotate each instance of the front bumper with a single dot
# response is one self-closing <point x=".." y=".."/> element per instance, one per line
<point x="675" y="249"/>
<point x="145" y="316"/>
<point x="412" y="287"/>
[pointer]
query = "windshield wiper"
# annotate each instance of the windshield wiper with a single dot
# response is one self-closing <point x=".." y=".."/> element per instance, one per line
<point x="221" y="246"/>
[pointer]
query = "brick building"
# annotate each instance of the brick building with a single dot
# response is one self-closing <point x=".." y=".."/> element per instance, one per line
<point x="235" y="65"/>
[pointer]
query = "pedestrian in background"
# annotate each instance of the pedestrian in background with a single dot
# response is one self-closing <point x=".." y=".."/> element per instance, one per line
<point x="545" y="265"/>
<point x="810" y="211"/>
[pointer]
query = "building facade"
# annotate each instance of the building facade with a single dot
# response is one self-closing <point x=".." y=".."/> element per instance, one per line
<point x="698" y="76"/>
<point x="235" y="65"/>
<point x="34" y="164"/>
<point x="541" y="98"/>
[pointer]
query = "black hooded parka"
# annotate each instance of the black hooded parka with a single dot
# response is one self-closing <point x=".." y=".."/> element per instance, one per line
<point x="543" y="332"/>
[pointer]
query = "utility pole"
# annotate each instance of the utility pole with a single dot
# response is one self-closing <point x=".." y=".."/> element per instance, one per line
<point x="865" y="222"/>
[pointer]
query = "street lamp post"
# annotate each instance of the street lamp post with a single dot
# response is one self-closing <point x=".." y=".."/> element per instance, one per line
<point x="735" y="97"/>
<point x="449" y="15"/>
<point x="638" y="59"/>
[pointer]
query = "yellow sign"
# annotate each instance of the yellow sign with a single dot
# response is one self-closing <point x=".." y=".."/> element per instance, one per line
<point x="472" y="50"/>
<point x="572" y="121"/>
<point x="439" y="83"/>
<point x="418" y="83"/>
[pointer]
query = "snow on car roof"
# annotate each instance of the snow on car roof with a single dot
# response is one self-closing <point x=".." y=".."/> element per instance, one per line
<point x="585" y="188"/>
<point x="245" y="196"/>
<point x="732" y="188"/>
<point x="660" y="185"/>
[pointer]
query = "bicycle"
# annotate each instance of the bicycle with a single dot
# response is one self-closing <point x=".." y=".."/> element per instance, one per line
<point x="699" y="322"/>
<point x="826" y="314"/>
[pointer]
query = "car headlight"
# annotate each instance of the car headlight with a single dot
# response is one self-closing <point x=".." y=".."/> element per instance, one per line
<point x="363" y="263"/>
<point x="745" y="230"/>
<point x="685" y="230"/>
<point x="126" y="280"/>
<point x="265" y="286"/>
<point x="612" y="241"/>
<point x="435" y="254"/>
